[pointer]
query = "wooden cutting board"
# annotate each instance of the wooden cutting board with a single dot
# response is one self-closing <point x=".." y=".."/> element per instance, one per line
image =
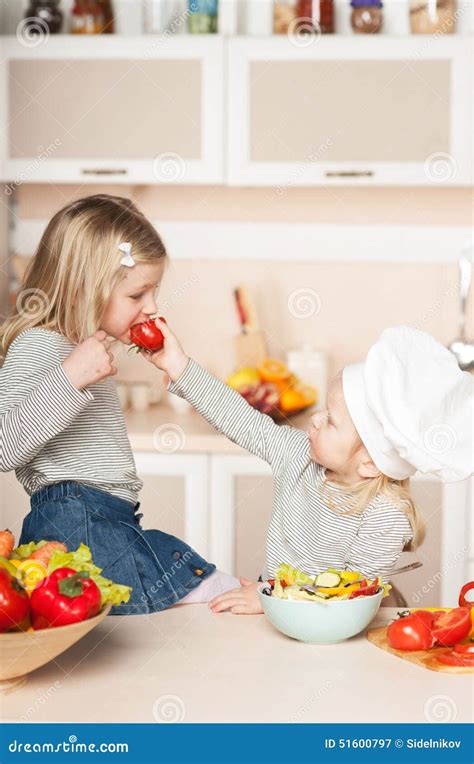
<point x="425" y="658"/>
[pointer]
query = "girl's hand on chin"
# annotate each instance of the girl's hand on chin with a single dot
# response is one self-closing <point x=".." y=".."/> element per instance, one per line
<point x="171" y="358"/>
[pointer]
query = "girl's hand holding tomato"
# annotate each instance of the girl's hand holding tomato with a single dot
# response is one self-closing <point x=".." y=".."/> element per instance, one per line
<point x="171" y="358"/>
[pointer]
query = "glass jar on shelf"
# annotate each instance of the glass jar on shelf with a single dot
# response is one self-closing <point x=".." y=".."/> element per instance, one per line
<point x="43" y="16"/>
<point x="202" y="18"/>
<point x="433" y="16"/>
<point x="367" y="16"/>
<point x="284" y="15"/>
<point x="318" y="14"/>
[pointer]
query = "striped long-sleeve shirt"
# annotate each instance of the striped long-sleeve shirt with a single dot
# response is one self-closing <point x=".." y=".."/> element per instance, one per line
<point x="304" y="531"/>
<point x="50" y="431"/>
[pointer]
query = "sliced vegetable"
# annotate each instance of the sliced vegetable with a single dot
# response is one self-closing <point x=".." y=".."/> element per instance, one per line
<point x="455" y="659"/>
<point x="328" y="579"/>
<point x="463" y="602"/>
<point x="451" y="627"/>
<point x="64" y="597"/>
<point x="368" y="590"/>
<point x="464" y="649"/>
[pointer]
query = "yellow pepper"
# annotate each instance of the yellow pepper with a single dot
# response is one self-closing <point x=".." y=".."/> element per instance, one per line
<point x="338" y="590"/>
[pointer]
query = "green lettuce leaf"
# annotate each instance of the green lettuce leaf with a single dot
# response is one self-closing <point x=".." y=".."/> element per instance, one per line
<point x="26" y="550"/>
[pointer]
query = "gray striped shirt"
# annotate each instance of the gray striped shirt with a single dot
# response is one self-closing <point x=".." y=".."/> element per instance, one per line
<point x="50" y="431"/>
<point x="304" y="531"/>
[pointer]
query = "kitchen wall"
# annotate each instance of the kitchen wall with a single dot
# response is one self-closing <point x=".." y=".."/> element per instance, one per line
<point x="357" y="298"/>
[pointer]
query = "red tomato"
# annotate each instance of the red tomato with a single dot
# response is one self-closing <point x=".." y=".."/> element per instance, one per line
<point x="464" y="649"/>
<point x="455" y="659"/>
<point x="14" y="602"/>
<point x="463" y="602"/>
<point x="147" y="336"/>
<point x="452" y="627"/>
<point x="411" y="632"/>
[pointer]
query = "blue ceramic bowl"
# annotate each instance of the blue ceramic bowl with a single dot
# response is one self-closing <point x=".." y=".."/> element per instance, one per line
<point x="320" y="623"/>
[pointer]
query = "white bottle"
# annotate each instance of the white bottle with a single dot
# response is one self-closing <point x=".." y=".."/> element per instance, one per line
<point x="311" y="367"/>
<point x="227" y="17"/>
<point x="259" y="20"/>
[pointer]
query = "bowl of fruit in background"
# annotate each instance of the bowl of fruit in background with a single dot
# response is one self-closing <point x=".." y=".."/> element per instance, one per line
<point x="273" y="389"/>
<point x="50" y="597"/>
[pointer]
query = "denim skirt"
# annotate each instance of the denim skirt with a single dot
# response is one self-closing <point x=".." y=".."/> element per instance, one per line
<point x="161" y="569"/>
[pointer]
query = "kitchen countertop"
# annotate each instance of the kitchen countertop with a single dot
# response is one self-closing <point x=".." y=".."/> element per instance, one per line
<point x="187" y="664"/>
<point x="201" y="437"/>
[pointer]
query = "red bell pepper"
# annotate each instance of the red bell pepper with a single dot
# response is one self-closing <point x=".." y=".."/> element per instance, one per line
<point x="366" y="589"/>
<point x="64" y="597"/>
<point x="14" y="602"/>
<point x="463" y="602"/>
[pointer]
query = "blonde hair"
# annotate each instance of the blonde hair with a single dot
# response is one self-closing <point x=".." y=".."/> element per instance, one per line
<point x="77" y="265"/>
<point x="365" y="491"/>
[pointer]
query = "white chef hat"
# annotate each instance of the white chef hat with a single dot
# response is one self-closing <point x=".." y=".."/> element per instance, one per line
<point x="412" y="406"/>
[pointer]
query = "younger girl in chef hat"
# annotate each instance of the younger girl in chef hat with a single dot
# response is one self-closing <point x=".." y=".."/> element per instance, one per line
<point x="413" y="409"/>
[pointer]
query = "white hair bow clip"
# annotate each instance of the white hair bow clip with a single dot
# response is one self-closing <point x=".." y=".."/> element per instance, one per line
<point x="127" y="259"/>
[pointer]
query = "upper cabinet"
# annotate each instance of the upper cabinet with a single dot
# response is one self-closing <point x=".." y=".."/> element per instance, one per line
<point x="370" y="110"/>
<point x="132" y="110"/>
<point x="364" y="110"/>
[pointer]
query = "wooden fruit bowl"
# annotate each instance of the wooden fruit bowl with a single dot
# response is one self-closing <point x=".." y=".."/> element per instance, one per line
<point x="24" y="651"/>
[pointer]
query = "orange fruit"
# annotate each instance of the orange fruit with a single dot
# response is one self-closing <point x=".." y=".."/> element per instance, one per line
<point x="309" y="393"/>
<point x="297" y="398"/>
<point x="271" y="370"/>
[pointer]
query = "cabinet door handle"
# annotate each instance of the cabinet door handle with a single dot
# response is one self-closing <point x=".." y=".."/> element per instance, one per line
<point x="103" y="171"/>
<point x="350" y="174"/>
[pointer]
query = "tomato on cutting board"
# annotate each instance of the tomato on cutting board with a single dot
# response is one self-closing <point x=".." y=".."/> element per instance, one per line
<point x="412" y="632"/>
<point x="454" y="658"/>
<point x="451" y="627"/>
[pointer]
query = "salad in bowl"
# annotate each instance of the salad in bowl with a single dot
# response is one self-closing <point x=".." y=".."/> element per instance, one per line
<point x="329" y="607"/>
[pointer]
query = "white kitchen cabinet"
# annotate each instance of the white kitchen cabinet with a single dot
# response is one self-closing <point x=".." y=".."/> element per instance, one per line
<point x="193" y="471"/>
<point x="366" y="110"/>
<point x="116" y="109"/>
